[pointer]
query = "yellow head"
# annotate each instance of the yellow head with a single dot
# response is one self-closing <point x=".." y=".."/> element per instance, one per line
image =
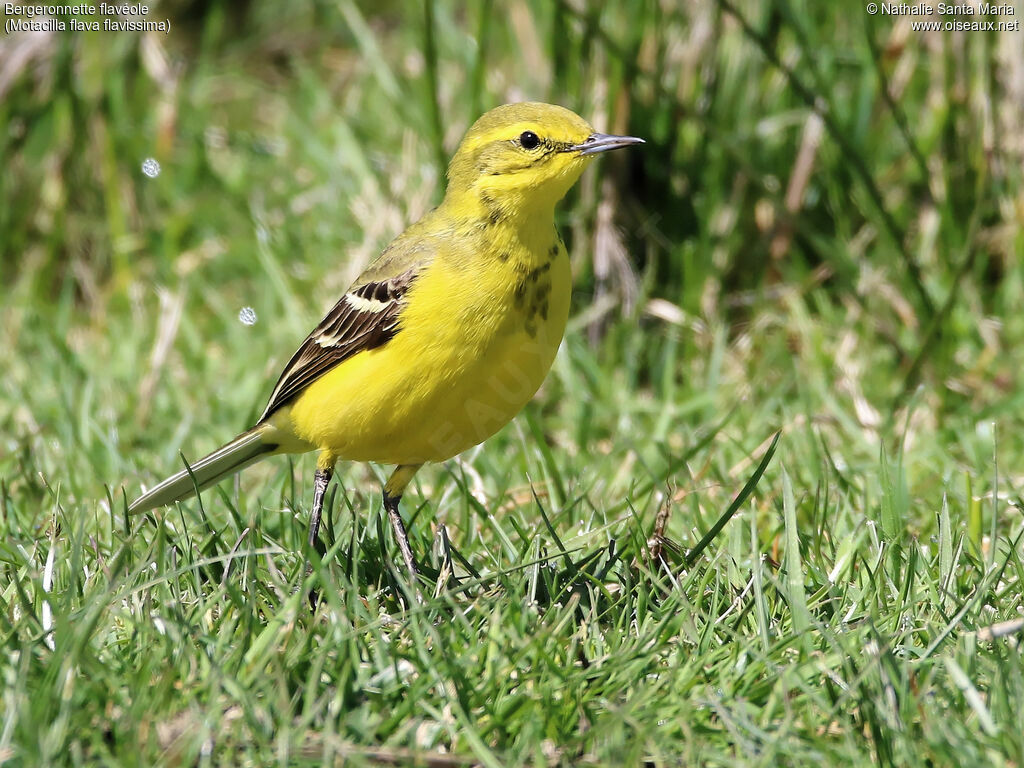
<point x="523" y="158"/>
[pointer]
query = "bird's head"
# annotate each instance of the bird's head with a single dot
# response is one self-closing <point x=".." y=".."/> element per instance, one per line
<point x="523" y="158"/>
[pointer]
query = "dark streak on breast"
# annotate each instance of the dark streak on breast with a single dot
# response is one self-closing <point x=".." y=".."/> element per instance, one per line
<point x="532" y="294"/>
<point x="494" y="212"/>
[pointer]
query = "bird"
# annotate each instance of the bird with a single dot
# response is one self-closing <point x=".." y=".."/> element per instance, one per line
<point x="445" y="337"/>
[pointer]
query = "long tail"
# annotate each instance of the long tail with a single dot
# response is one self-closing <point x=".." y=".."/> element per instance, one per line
<point x="239" y="453"/>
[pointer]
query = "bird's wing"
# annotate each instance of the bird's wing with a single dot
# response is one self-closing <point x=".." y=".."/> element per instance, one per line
<point x="366" y="317"/>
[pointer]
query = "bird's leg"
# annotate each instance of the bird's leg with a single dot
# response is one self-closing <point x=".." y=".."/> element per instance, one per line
<point x="391" y="505"/>
<point x="392" y="495"/>
<point x="321" y="480"/>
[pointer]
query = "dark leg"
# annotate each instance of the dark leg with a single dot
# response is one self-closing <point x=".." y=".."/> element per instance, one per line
<point x="392" y="494"/>
<point x="391" y="505"/>
<point x="321" y="480"/>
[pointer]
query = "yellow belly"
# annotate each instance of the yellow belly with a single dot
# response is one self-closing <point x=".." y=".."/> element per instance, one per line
<point x="470" y="353"/>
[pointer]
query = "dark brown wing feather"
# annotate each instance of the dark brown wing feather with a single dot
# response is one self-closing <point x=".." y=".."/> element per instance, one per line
<point x="347" y="329"/>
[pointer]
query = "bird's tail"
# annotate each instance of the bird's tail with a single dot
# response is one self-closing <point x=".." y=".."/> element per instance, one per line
<point x="239" y="453"/>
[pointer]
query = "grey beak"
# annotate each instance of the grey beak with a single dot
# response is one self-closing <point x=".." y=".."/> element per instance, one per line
<point x="603" y="142"/>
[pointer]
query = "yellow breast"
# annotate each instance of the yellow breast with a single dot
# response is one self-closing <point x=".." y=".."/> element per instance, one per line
<point x="476" y="340"/>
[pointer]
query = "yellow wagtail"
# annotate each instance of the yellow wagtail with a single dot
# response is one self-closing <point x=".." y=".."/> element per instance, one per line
<point x="444" y="338"/>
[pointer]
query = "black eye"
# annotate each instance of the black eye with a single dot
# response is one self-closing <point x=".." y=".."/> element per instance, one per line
<point x="529" y="140"/>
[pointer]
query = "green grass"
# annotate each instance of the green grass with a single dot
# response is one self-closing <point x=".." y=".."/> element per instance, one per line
<point x="871" y="314"/>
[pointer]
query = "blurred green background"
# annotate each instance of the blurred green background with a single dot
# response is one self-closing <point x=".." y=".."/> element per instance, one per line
<point x="822" y="235"/>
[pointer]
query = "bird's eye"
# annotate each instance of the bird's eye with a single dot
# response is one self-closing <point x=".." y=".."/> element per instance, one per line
<point x="529" y="140"/>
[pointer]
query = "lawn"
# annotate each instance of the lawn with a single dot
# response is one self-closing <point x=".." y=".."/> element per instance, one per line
<point x="821" y="240"/>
